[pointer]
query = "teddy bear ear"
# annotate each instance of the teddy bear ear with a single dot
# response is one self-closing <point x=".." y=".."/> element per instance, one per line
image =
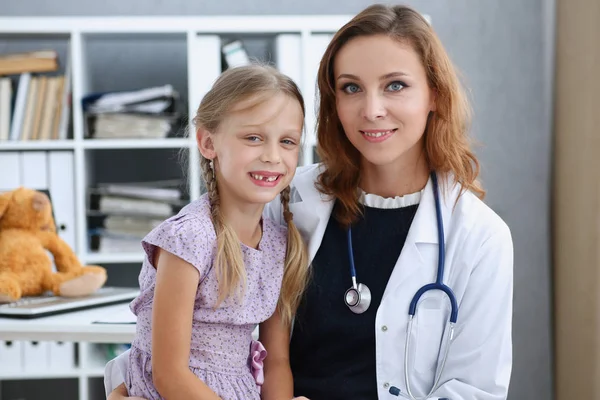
<point x="4" y="202"/>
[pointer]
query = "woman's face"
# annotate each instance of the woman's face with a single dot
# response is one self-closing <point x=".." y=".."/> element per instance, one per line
<point x="382" y="99"/>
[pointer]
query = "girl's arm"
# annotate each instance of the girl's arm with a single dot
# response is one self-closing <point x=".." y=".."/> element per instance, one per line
<point x="120" y="392"/>
<point x="175" y="292"/>
<point x="275" y="336"/>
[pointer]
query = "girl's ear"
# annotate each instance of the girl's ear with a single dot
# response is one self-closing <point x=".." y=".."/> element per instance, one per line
<point x="204" y="139"/>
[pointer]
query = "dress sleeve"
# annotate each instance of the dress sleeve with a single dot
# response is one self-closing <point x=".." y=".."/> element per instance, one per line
<point x="187" y="237"/>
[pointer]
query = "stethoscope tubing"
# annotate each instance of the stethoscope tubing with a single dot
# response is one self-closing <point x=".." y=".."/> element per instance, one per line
<point x="437" y="285"/>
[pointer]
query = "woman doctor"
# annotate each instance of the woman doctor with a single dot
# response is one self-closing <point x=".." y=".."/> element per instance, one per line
<point x="394" y="202"/>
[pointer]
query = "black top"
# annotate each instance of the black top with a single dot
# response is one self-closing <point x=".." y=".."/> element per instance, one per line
<point x="332" y="350"/>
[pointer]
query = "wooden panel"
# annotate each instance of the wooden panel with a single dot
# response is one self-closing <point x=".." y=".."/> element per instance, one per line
<point x="576" y="209"/>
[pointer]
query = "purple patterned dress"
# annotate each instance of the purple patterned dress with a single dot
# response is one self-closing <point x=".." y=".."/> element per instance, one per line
<point x="220" y="353"/>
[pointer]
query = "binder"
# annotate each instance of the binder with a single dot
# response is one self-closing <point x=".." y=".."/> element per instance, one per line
<point x="35" y="356"/>
<point x="11" y="356"/>
<point x="61" y="355"/>
<point x="61" y="184"/>
<point x="317" y="45"/>
<point x="204" y="67"/>
<point x="34" y="170"/>
<point x="10" y="171"/>
<point x="288" y="52"/>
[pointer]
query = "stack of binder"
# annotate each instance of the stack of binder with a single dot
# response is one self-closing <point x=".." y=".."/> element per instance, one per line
<point x="120" y="215"/>
<point x="149" y="113"/>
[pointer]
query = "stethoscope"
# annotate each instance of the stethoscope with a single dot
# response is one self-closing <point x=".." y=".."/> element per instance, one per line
<point x="358" y="299"/>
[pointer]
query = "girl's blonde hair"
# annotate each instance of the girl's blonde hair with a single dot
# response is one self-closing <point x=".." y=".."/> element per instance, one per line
<point x="447" y="146"/>
<point x="256" y="83"/>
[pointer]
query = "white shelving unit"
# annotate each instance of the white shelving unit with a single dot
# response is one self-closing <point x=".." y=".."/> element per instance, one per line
<point x="298" y="42"/>
<point x="86" y="369"/>
<point x="88" y="364"/>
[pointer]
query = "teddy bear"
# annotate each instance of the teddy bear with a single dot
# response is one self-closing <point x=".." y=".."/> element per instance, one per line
<point x="27" y="232"/>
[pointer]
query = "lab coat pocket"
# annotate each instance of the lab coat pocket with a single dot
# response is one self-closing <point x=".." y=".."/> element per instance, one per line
<point x="430" y="329"/>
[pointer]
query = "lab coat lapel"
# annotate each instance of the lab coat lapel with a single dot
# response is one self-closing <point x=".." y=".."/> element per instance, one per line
<point x="311" y="210"/>
<point x="423" y="230"/>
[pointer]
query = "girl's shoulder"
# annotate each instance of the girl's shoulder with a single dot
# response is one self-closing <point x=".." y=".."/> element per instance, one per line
<point x="275" y="234"/>
<point x="198" y="209"/>
<point x="189" y="235"/>
<point x="193" y="216"/>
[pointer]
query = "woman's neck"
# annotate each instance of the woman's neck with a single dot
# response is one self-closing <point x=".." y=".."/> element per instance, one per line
<point x="395" y="179"/>
<point x="244" y="218"/>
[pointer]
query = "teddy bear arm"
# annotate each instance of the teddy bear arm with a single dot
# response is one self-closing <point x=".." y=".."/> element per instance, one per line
<point x="10" y="287"/>
<point x="58" y="278"/>
<point x="80" y="283"/>
<point x="65" y="259"/>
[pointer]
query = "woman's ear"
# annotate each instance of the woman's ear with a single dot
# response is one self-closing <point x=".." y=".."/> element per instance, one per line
<point x="433" y="96"/>
<point x="204" y="139"/>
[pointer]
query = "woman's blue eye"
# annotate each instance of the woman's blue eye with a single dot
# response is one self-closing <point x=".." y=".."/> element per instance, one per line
<point x="396" y="86"/>
<point x="288" y="142"/>
<point x="253" y="138"/>
<point x="350" y="88"/>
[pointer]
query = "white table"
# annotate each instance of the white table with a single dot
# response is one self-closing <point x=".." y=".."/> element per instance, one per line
<point x="77" y="326"/>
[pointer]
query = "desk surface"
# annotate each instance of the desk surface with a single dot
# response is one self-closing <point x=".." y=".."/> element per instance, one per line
<point x="75" y="326"/>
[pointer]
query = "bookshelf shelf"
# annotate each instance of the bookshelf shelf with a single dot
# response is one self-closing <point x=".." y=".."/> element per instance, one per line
<point x="177" y="24"/>
<point x="96" y="372"/>
<point x="137" y="143"/>
<point x="38" y="145"/>
<point x="113" y="258"/>
<point x="41" y="375"/>
<point x="100" y="54"/>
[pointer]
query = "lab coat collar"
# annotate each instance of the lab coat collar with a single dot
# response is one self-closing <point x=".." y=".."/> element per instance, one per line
<point x="424" y="228"/>
<point x="313" y="207"/>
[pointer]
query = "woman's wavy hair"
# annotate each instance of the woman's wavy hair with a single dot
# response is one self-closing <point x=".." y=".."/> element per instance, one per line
<point x="257" y="83"/>
<point x="446" y="142"/>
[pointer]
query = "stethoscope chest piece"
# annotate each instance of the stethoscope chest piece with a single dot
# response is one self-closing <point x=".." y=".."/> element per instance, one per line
<point x="358" y="298"/>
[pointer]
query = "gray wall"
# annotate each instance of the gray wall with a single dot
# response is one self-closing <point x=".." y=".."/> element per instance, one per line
<point x="504" y="49"/>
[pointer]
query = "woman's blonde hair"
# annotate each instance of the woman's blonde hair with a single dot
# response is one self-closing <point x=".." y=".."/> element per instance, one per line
<point x="447" y="146"/>
<point x="256" y="83"/>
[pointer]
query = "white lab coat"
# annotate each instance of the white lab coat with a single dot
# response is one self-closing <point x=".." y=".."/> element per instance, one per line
<point x="478" y="268"/>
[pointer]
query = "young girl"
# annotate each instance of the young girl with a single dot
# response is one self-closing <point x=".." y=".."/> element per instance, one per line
<point x="218" y="268"/>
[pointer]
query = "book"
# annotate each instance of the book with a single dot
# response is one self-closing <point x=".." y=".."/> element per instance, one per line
<point x="18" y="116"/>
<point x="34" y="61"/>
<point x="5" y="107"/>
<point x="39" y="106"/>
